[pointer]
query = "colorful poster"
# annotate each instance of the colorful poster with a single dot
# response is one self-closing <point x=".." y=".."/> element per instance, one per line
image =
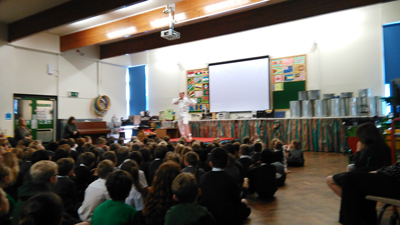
<point x="190" y="88"/>
<point x="278" y="78"/>
<point x="191" y="94"/>
<point x="289" y="77"/>
<point x="199" y="73"/>
<point x="205" y="86"/>
<point x="300" y="76"/>
<point x="198" y="94"/>
<point x="288" y="61"/>
<point x="169" y="114"/>
<point x="205" y="79"/>
<point x="300" y="68"/>
<point x="190" y="74"/>
<point x="277" y="70"/>
<point x="205" y="72"/>
<point x="277" y="62"/>
<point x="278" y="87"/>
<point x="206" y="92"/>
<point x="300" y="60"/>
<point x="190" y="81"/>
<point x="198" y="87"/>
<point x="197" y="80"/>
<point x="206" y="100"/>
<point x="288" y="69"/>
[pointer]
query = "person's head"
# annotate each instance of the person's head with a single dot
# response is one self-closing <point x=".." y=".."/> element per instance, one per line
<point x="192" y="159"/>
<point x="279" y="145"/>
<point x="88" y="159"/>
<point x="11" y="160"/>
<point x="273" y="141"/>
<point x="184" y="188"/>
<point x="132" y="168"/>
<point x="122" y="154"/>
<point x="136" y="147"/>
<point x="4" y="204"/>
<point x="65" y="166"/>
<point x="44" y="208"/>
<point x="80" y="141"/>
<point x="89" y="139"/>
<point x="71" y="120"/>
<point x="44" y="172"/>
<point x="160" y="151"/>
<point x="110" y="156"/>
<point x="104" y="168"/>
<point x="39" y="156"/>
<point x="166" y="138"/>
<point x="258" y="147"/>
<point x="267" y="156"/>
<point x="196" y="146"/>
<point x="18" y="152"/>
<point x="52" y="146"/>
<point x="181" y="94"/>
<point x="246" y="140"/>
<point x="219" y="158"/>
<point x="164" y="176"/>
<point x="4" y="176"/>
<point x="295" y="144"/>
<point x="172" y="156"/>
<point x="114" y="147"/>
<point x="136" y="156"/>
<point x="244" y="149"/>
<point x="145" y="154"/>
<point x="368" y="134"/>
<point x="121" y="141"/>
<point x="59" y="154"/>
<point x="101" y="142"/>
<point x="27" y="154"/>
<point x="66" y="147"/>
<point x="119" y="185"/>
<point x="21" y="122"/>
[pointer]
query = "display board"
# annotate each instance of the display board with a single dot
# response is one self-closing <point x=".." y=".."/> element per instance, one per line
<point x="198" y="88"/>
<point x="288" y="77"/>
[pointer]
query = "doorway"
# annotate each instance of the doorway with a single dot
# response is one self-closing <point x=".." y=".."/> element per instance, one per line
<point x="39" y="113"/>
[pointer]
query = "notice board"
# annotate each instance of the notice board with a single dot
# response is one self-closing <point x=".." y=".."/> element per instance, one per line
<point x="288" y="77"/>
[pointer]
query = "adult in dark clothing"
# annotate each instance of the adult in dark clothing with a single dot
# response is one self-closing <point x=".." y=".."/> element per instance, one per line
<point x="262" y="178"/>
<point x="354" y="208"/>
<point x="220" y="193"/>
<point x="22" y="132"/>
<point x="372" y="153"/>
<point x="83" y="175"/>
<point x="159" y="154"/>
<point x="70" y="129"/>
<point x="43" y="177"/>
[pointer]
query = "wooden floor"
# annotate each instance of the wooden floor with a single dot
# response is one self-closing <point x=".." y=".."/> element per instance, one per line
<point x="305" y="198"/>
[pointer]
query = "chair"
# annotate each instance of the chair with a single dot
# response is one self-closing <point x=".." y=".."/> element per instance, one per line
<point x="388" y="202"/>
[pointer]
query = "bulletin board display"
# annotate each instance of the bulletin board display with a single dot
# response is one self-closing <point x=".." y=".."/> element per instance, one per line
<point x="198" y="88"/>
<point x="288" y="77"/>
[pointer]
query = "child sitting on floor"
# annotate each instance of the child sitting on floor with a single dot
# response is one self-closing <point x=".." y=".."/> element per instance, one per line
<point x="115" y="211"/>
<point x="185" y="191"/>
<point x="296" y="157"/>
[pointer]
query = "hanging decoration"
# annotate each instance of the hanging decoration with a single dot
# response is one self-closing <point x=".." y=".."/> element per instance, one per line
<point x="101" y="105"/>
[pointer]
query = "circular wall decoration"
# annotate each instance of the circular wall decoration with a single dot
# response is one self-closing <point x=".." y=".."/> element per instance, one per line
<point x="101" y="105"/>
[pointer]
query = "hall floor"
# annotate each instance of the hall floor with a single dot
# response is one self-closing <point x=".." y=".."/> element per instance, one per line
<point x="305" y="199"/>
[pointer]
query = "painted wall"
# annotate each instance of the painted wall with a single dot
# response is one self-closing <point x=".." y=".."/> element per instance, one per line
<point x="24" y="71"/>
<point x="344" y="52"/>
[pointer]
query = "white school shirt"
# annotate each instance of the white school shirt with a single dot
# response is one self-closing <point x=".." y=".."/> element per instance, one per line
<point x="135" y="199"/>
<point x="95" y="194"/>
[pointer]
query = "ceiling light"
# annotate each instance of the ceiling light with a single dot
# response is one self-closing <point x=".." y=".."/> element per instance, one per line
<point x="165" y="21"/>
<point x="224" y="5"/>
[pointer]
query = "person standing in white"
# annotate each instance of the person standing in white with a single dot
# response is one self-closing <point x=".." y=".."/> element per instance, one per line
<point x="183" y="113"/>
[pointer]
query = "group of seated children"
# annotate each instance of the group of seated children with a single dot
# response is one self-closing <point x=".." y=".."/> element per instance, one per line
<point x="150" y="182"/>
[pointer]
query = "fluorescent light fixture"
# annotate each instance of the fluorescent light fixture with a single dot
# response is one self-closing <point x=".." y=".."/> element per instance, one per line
<point x="165" y="21"/>
<point x="223" y="5"/>
<point x="124" y="32"/>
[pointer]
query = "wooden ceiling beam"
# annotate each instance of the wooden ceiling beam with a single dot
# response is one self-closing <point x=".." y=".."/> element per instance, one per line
<point x="68" y="12"/>
<point x="255" y="18"/>
<point x="156" y="20"/>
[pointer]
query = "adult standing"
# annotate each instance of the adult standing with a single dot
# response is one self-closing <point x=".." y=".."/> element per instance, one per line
<point x="70" y="129"/>
<point x="183" y="113"/>
<point x="22" y="132"/>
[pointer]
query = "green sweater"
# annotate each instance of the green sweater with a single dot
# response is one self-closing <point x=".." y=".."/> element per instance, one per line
<point x="182" y="214"/>
<point x="115" y="213"/>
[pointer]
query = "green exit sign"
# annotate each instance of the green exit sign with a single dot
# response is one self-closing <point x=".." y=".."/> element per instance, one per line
<point x="74" y="94"/>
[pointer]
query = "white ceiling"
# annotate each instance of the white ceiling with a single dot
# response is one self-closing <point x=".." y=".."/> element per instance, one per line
<point x="13" y="10"/>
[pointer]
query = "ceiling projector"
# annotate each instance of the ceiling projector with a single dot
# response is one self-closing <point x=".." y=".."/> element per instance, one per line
<point x="170" y="34"/>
